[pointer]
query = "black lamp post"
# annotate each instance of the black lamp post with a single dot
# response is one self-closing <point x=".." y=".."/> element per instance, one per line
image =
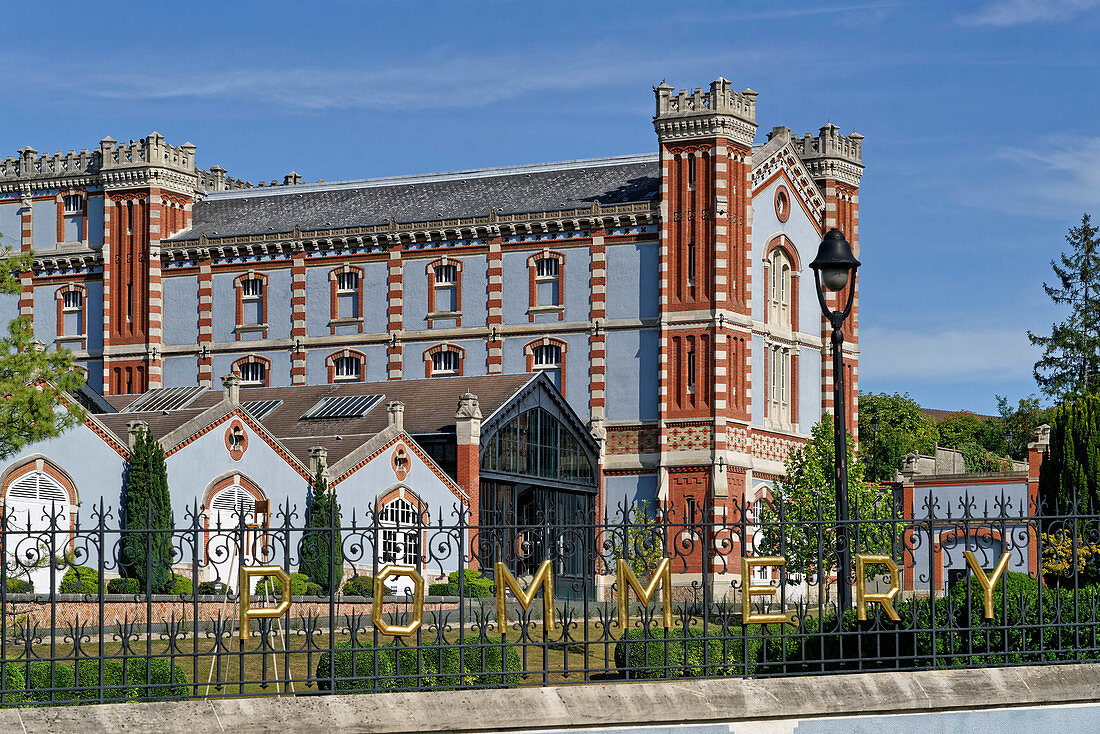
<point x="834" y="268"/>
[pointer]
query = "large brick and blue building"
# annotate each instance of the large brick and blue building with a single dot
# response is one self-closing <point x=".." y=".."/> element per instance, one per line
<point x="667" y="295"/>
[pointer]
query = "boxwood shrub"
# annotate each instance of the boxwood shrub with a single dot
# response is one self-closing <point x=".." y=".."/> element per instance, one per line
<point x="20" y="586"/>
<point x="359" y="586"/>
<point x="78" y="682"/>
<point x="124" y="586"/>
<point x="653" y="652"/>
<point x="80" y="580"/>
<point x="300" y="585"/>
<point x="473" y="585"/>
<point x="490" y="663"/>
<point x="180" y="585"/>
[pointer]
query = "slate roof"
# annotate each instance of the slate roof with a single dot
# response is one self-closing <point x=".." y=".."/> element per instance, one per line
<point x="509" y="190"/>
<point x="429" y="408"/>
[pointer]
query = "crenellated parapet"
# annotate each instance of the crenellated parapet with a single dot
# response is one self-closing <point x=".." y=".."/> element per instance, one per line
<point x="831" y="155"/>
<point x="717" y="112"/>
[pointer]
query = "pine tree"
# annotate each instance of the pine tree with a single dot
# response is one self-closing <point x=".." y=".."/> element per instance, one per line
<point x="1070" y="364"/>
<point x="322" y="566"/>
<point x="147" y="506"/>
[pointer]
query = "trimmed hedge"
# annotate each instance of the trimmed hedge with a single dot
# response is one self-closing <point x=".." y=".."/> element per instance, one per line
<point x="123" y="586"/>
<point x="180" y="585"/>
<point x="75" y="683"/>
<point x="376" y="669"/>
<point x="473" y="585"/>
<point x="1030" y="632"/>
<point x="300" y="585"/>
<point x="359" y="586"/>
<point x="212" y="588"/>
<point x="20" y="586"/>
<point x="653" y="652"/>
<point x="80" y="580"/>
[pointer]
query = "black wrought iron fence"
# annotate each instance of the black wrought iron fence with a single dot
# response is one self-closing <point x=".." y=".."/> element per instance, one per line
<point x="434" y="600"/>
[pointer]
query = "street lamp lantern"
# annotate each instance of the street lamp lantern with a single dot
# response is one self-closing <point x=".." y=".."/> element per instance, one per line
<point x="835" y="268"/>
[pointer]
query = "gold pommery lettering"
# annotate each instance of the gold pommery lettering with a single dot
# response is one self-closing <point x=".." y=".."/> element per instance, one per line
<point x="625" y="579"/>
<point x="749" y="591"/>
<point x="987" y="583"/>
<point x="863" y="597"/>
<point x="544" y="577"/>
<point x="247" y="613"/>
<point x="418" y="601"/>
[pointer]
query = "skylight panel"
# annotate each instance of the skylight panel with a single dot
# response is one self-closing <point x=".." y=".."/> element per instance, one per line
<point x="343" y="406"/>
<point x="165" y="398"/>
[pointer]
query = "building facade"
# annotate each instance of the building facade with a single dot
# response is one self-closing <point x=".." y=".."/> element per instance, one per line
<point x="666" y="294"/>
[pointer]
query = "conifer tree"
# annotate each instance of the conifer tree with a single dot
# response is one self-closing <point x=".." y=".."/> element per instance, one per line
<point x="322" y="555"/>
<point x="1069" y="480"/>
<point x="146" y="552"/>
<point x="1070" y="364"/>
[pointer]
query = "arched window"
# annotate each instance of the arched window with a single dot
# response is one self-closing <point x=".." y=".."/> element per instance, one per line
<point x="443" y="360"/>
<point x="399" y="540"/>
<point x="548" y="355"/>
<point x="253" y="371"/>
<point x="40" y="504"/>
<point x="346" y="283"/>
<point x="72" y="310"/>
<point x="231" y="503"/>
<point x="445" y="291"/>
<point x="779" y="291"/>
<point x="346" y="366"/>
<point x="547" y="272"/>
<point x="251" y="288"/>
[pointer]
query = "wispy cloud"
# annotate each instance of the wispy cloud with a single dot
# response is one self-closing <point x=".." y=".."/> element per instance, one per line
<point x="1057" y="177"/>
<point x="951" y="354"/>
<point x="1004" y="13"/>
<point x="436" y="80"/>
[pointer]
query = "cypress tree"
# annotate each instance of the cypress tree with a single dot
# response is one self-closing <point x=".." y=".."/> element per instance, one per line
<point x="147" y="506"/>
<point x="1070" y="364"/>
<point x="319" y="563"/>
<point x="1069" y="480"/>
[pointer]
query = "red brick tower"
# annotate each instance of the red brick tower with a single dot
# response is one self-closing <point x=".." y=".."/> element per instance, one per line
<point x="148" y="193"/>
<point x="703" y="380"/>
<point x="835" y="162"/>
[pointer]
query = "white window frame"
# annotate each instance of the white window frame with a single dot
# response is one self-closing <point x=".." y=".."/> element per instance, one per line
<point x="259" y="368"/>
<point x="446" y="362"/>
<point x="341" y="365"/>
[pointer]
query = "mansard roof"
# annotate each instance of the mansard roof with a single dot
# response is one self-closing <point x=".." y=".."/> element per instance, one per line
<point x="430" y="406"/>
<point x="546" y="187"/>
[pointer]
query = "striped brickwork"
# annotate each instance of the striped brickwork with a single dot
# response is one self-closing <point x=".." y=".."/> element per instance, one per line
<point x="298" y="316"/>
<point x="395" y="311"/>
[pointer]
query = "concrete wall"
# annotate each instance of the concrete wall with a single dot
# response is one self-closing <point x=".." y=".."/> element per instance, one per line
<point x="1030" y="699"/>
<point x="180" y="371"/>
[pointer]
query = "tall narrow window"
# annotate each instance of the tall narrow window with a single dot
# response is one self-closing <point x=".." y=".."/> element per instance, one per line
<point x="780" y="309"/>
<point x="71" y="323"/>
<point x="779" y="386"/>
<point x="691" y="171"/>
<point x="691" y="264"/>
<point x="446" y="288"/>
<point x="129" y="217"/>
<point x="691" y="369"/>
<point x="74" y="218"/>
<point x="347" y="295"/>
<point x="547" y="293"/>
<point x="252" y="301"/>
<point x="547" y="358"/>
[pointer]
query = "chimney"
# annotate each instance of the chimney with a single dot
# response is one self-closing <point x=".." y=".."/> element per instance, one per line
<point x="133" y="430"/>
<point x="318" y="458"/>
<point x="232" y="385"/>
<point x="396" y="410"/>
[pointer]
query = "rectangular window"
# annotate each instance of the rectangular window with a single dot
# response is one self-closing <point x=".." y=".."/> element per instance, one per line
<point x="252" y="301"/>
<point x="253" y="373"/>
<point x="348" y="368"/>
<point x="547" y="292"/>
<point x="74" y="204"/>
<point x="72" y="300"/>
<point x="347" y="295"/>
<point x="691" y="263"/>
<point x="445" y="362"/>
<point x="546" y="267"/>
<point x="446" y="288"/>
<point x="691" y="172"/>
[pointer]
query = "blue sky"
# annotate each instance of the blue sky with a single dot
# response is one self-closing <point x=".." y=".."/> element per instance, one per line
<point x="981" y="122"/>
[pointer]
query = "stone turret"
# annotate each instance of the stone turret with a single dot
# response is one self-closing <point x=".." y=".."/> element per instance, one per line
<point x="831" y="155"/>
<point x="717" y="112"/>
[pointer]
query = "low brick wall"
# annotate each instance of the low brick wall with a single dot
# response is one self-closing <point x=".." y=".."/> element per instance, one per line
<point x="68" y="610"/>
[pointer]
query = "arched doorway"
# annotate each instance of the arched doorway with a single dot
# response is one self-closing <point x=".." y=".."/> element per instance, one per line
<point x="236" y="518"/>
<point x="399" y="530"/>
<point x="40" y="504"/>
